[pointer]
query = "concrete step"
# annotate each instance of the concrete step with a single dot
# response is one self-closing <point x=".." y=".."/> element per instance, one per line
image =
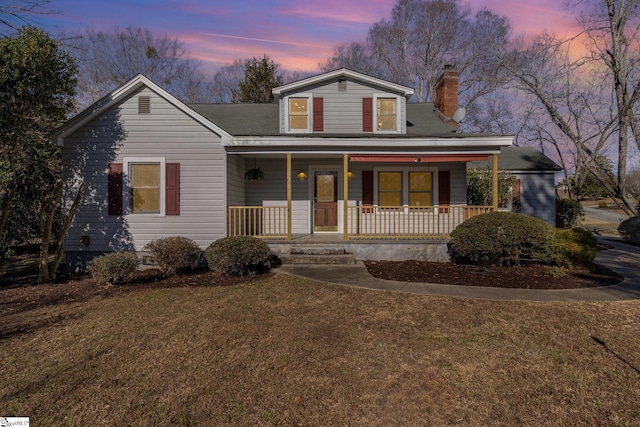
<point x="318" y="259"/>
<point x="317" y="250"/>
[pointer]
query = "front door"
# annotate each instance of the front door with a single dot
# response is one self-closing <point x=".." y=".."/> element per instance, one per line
<point x="325" y="196"/>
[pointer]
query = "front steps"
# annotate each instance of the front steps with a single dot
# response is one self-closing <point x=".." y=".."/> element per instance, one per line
<point x="316" y="254"/>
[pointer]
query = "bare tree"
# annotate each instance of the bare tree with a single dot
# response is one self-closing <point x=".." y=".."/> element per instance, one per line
<point x="588" y="101"/>
<point x="17" y="13"/>
<point x="227" y="80"/>
<point x="612" y="28"/>
<point x="421" y="38"/>
<point x="354" y="56"/>
<point x="108" y="59"/>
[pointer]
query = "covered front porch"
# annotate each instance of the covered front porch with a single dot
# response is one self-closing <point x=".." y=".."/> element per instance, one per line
<point x="350" y="197"/>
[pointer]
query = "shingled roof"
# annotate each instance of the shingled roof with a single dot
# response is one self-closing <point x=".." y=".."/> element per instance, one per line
<point x="521" y="159"/>
<point x="263" y="120"/>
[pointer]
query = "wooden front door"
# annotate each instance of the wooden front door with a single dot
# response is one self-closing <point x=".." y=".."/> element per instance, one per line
<point x="325" y="197"/>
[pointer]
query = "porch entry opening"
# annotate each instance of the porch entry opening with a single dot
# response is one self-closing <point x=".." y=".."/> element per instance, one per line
<point x="325" y="201"/>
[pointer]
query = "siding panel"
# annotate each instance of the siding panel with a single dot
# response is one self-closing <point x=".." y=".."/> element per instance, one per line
<point x="167" y="132"/>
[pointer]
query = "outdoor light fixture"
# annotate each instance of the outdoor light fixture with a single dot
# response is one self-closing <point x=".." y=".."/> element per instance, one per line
<point x="302" y="175"/>
<point x="349" y="174"/>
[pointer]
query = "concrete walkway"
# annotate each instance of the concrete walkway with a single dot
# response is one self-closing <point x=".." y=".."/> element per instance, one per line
<point x="624" y="259"/>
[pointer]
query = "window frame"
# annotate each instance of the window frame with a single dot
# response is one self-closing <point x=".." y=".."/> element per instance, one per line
<point x="126" y="190"/>
<point x="287" y="113"/>
<point x="398" y="122"/>
<point x="405" y="183"/>
<point x="429" y="192"/>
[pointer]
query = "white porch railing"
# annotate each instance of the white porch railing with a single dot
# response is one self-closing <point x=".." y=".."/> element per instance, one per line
<point x="363" y="222"/>
<point x="258" y="221"/>
<point x="387" y="222"/>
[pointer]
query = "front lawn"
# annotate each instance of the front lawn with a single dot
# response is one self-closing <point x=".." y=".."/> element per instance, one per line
<point x="285" y="351"/>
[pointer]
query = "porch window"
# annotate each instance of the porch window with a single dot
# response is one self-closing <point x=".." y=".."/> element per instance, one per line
<point x="390" y="188"/>
<point x="298" y="114"/>
<point x="145" y="187"/>
<point x="386" y="114"/>
<point x="420" y="189"/>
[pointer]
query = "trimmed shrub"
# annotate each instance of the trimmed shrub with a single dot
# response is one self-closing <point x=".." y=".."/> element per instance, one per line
<point x="629" y="229"/>
<point x="573" y="248"/>
<point x="174" y="254"/>
<point x="501" y="238"/>
<point x="239" y="255"/>
<point x="568" y="213"/>
<point x="114" y="267"/>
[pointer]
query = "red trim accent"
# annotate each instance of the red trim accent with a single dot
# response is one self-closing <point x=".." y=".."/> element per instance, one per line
<point x="415" y="158"/>
<point x="444" y="190"/>
<point x="367" y="114"/>
<point x="367" y="190"/>
<point x="318" y="114"/>
<point x="172" y="189"/>
<point x="114" y="189"/>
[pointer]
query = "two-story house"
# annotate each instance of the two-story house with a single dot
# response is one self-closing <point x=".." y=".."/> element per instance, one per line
<point x="340" y="154"/>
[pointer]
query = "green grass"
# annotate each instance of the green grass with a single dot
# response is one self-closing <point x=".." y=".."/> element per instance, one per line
<point x="286" y="351"/>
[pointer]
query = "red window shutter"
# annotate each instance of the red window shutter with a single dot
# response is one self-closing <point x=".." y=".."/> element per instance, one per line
<point x="172" y="189"/>
<point x="114" y="188"/>
<point x="444" y="190"/>
<point x="367" y="114"/>
<point x="367" y="190"/>
<point x="318" y="114"/>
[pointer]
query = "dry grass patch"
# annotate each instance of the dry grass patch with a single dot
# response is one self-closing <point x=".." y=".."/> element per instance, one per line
<point x="286" y="351"/>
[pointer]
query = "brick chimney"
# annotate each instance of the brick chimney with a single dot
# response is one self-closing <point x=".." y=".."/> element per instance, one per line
<point x="447" y="92"/>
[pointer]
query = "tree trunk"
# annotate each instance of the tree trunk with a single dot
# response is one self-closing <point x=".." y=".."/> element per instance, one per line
<point x="66" y="223"/>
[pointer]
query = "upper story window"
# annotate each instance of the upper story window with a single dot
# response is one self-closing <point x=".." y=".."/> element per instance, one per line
<point x="299" y="114"/>
<point x="386" y="114"/>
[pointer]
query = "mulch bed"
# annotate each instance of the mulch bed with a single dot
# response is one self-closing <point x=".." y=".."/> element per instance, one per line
<point x="532" y="276"/>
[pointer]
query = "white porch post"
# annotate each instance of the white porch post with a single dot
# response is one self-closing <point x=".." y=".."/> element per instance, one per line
<point x="494" y="184"/>
<point x="345" y="181"/>
<point x="288" y="196"/>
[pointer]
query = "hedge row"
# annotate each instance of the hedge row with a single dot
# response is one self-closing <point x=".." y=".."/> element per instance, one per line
<point x="237" y="256"/>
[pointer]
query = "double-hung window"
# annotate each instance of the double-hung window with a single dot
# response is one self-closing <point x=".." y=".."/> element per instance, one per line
<point x="298" y="114"/>
<point x="151" y="186"/>
<point x="386" y="114"/>
<point x="389" y="189"/>
<point x="420" y="189"/>
<point x="413" y="188"/>
<point x="144" y="187"/>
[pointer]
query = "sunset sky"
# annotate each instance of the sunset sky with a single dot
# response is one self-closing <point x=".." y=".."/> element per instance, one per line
<point x="298" y="35"/>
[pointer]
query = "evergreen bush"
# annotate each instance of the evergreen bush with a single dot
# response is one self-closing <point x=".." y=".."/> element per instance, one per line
<point x="568" y="213"/>
<point x="174" y="254"/>
<point x="573" y="248"/>
<point x="239" y="255"/>
<point x="504" y="238"/>
<point x="114" y="267"/>
<point x="629" y="229"/>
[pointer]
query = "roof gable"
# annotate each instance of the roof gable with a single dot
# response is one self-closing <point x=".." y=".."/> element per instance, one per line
<point x="343" y="73"/>
<point x="118" y="95"/>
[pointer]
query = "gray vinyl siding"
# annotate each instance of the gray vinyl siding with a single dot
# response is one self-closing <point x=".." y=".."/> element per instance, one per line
<point x="235" y="181"/>
<point x="342" y="110"/>
<point x="166" y="132"/>
<point x="458" y="176"/>
<point x="537" y="195"/>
